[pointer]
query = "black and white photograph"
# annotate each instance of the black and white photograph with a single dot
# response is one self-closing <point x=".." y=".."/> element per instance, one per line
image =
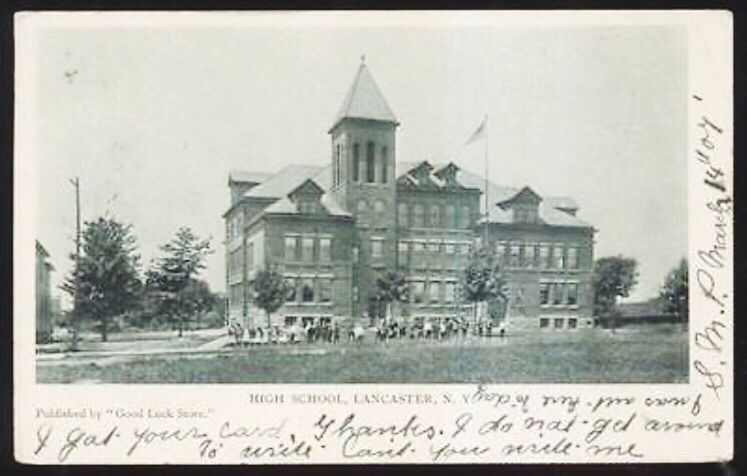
<point x="361" y="203"/>
<point x="373" y="237"/>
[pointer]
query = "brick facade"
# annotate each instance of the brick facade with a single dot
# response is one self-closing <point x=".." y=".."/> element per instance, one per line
<point x="333" y="230"/>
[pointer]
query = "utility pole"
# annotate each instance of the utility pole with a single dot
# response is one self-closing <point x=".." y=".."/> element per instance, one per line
<point x="76" y="183"/>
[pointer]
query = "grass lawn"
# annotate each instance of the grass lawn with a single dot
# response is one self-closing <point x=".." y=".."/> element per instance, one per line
<point x="650" y="353"/>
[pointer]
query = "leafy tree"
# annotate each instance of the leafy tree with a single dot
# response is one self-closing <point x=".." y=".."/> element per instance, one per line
<point x="673" y="295"/>
<point x="173" y="274"/>
<point x="270" y="291"/>
<point x="482" y="279"/>
<point x="614" y="277"/>
<point x="198" y="299"/>
<point x="390" y="288"/>
<point x="105" y="281"/>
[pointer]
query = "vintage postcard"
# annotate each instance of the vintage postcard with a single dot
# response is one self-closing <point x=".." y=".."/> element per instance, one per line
<point x="373" y="237"/>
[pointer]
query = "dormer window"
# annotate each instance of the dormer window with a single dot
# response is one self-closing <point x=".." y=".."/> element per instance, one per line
<point x="448" y="175"/>
<point x="307" y="197"/>
<point x="307" y="207"/>
<point x="524" y="206"/>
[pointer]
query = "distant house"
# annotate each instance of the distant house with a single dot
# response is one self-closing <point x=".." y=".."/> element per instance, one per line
<point x="44" y="310"/>
<point x="332" y="230"/>
<point x="643" y="312"/>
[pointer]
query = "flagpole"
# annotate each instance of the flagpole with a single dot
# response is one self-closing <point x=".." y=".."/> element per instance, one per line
<point x="487" y="201"/>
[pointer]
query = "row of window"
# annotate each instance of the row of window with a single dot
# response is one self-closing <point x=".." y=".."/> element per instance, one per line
<point x="543" y="256"/>
<point x="308" y="248"/>
<point x="433" y="291"/>
<point x="420" y="249"/>
<point x="363" y="169"/>
<point x="558" y="323"/>
<point x="434" y="216"/>
<point x="309" y="290"/>
<point x="558" y="294"/>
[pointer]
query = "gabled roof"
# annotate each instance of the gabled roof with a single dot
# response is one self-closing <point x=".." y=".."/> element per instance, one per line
<point x="551" y="210"/>
<point x="280" y="184"/>
<point x="308" y="186"/>
<point x="364" y="100"/>
<point x="526" y="194"/>
<point x="245" y="176"/>
<point x="427" y="176"/>
<point x="286" y="207"/>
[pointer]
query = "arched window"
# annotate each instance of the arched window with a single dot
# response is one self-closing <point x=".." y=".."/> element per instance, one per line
<point x="435" y="217"/>
<point x="450" y="218"/>
<point x="403" y="215"/>
<point x="418" y="216"/>
<point x="384" y="164"/>
<point x="356" y="162"/>
<point x="362" y="206"/>
<point x="338" y="165"/>
<point x="370" y="163"/>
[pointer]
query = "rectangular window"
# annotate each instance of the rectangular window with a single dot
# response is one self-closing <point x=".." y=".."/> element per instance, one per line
<point x="434" y="291"/>
<point x="557" y="295"/>
<point x="292" y="289"/>
<point x="558" y="323"/>
<point x="290" y="321"/>
<point x="573" y="261"/>
<point x="465" y="248"/>
<point x="402" y="251"/>
<point x="307" y="290"/>
<point x="559" y="255"/>
<point x="250" y="255"/>
<point x="325" y="245"/>
<point x="514" y="258"/>
<point x="434" y="246"/>
<point x="377" y="248"/>
<point x="531" y="255"/>
<point x="418" y="291"/>
<point x="307" y="249"/>
<point x="449" y="248"/>
<point x="572" y="298"/>
<point x="572" y="323"/>
<point x="370" y="163"/>
<point x="544" y="323"/>
<point x="500" y="252"/>
<point x="544" y="294"/>
<point x="290" y="248"/>
<point x="544" y="256"/>
<point x="449" y="292"/>
<point x="325" y="290"/>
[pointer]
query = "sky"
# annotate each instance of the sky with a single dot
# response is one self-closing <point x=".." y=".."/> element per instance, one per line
<point x="152" y="119"/>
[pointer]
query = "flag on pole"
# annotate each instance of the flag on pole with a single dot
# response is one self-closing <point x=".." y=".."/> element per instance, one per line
<point x="479" y="132"/>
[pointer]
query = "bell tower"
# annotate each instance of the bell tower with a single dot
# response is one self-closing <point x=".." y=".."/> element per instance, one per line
<point x="363" y="177"/>
<point x="363" y="142"/>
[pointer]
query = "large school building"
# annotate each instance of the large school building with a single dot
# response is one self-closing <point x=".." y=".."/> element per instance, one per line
<point x="331" y="230"/>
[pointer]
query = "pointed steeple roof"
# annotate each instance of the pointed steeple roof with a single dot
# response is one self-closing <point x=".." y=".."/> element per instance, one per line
<point x="364" y="100"/>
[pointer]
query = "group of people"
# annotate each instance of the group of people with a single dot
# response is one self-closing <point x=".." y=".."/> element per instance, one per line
<point x="441" y="329"/>
<point x="324" y="331"/>
<point x="319" y="331"/>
